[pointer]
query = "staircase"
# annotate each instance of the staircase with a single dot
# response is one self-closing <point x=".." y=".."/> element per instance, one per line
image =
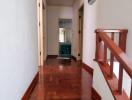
<point x="107" y="53"/>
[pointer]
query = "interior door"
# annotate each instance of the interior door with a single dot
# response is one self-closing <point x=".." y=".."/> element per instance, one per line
<point x="40" y="32"/>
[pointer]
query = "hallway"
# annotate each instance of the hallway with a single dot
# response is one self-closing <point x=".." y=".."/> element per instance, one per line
<point x="64" y="80"/>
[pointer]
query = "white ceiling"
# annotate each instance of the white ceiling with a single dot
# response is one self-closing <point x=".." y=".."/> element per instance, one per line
<point x="60" y="2"/>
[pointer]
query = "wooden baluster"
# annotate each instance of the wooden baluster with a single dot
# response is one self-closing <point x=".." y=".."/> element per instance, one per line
<point x="101" y="51"/>
<point x="105" y="53"/>
<point x="111" y="59"/>
<point x="122" y="41"/>
<point x="122" y="45"/>
<point x="131" y="91"/>
<point x="120" y="79"/>
<point x="97" y="46"/>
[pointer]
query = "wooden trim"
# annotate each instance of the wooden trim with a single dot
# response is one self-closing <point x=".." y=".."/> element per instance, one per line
<point x="81" y="7"/>
<point x="118" y="53"/>
<point x="131" y="91"/>
<point x="55" y="56"/>
<point x="40" y="20"/>
<point x="88" y="68"/>
<point x="112" y="82"/>
<point x="31" y="87"/>
<point x="122" y="45"/>
<point x="105" y="70"/>
<point x="73" y="57"/>
<point x="125" y="31"/>
<point x="51" y="56"/>
<point x="95" y="95"/>
<point x="80" y="32"/>
<point x="112" y="58"/>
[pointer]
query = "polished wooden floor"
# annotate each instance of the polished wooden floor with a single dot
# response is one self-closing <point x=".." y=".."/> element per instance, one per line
<point x="63" y="80"/>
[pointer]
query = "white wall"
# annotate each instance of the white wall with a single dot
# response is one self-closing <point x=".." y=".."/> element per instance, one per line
<point x="90" y="24"/>
<point x="53" y="15"/>
<point x="116" y="14"/>
<point x="76" y="7"/>
<point x="18" y="47"/>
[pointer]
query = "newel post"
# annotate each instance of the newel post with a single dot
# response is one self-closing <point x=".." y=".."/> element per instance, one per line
<point x="99" y="48"/>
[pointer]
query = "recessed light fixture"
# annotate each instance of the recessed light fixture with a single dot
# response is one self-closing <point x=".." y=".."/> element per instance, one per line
<point x="91" y="1"/>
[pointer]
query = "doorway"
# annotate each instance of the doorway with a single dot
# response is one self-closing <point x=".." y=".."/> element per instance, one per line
<point x="80" y="36"/>
<point x="65" y="38"/>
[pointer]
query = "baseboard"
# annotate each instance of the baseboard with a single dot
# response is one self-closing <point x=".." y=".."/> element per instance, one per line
<point x="95" y="95"/>
<point x="51" y="56"/>
<point x="87" y="68"/>
<point x="54" y="56"/>
<point x="73" y="57"/>
<point x="31" y="87"/>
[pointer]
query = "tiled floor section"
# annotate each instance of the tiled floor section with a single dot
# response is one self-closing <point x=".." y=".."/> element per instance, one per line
<point x="63" y="80"/>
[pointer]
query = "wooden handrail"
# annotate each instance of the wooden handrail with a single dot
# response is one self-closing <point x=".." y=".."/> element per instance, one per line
<point x="111" y="31"/>
<point x="118" y="53"/>
<point x="103" y="41"/>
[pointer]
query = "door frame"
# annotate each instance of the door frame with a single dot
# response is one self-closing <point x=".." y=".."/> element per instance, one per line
<point x="40" y="25"/>
<point x="80" y="32"/>
<point x="58" y="32"/>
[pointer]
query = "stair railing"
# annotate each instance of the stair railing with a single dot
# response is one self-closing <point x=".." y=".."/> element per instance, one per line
<point x="105" y="42"/>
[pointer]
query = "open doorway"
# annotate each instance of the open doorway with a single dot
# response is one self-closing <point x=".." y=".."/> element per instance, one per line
<point x="65" y="38"/>
<point x="80" y="36"/>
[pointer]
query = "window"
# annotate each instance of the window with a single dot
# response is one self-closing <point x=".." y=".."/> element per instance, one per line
<point x="61" y="35"/>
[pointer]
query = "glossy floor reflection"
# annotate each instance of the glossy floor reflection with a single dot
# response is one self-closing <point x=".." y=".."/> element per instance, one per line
<point x="63" y="80"/>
